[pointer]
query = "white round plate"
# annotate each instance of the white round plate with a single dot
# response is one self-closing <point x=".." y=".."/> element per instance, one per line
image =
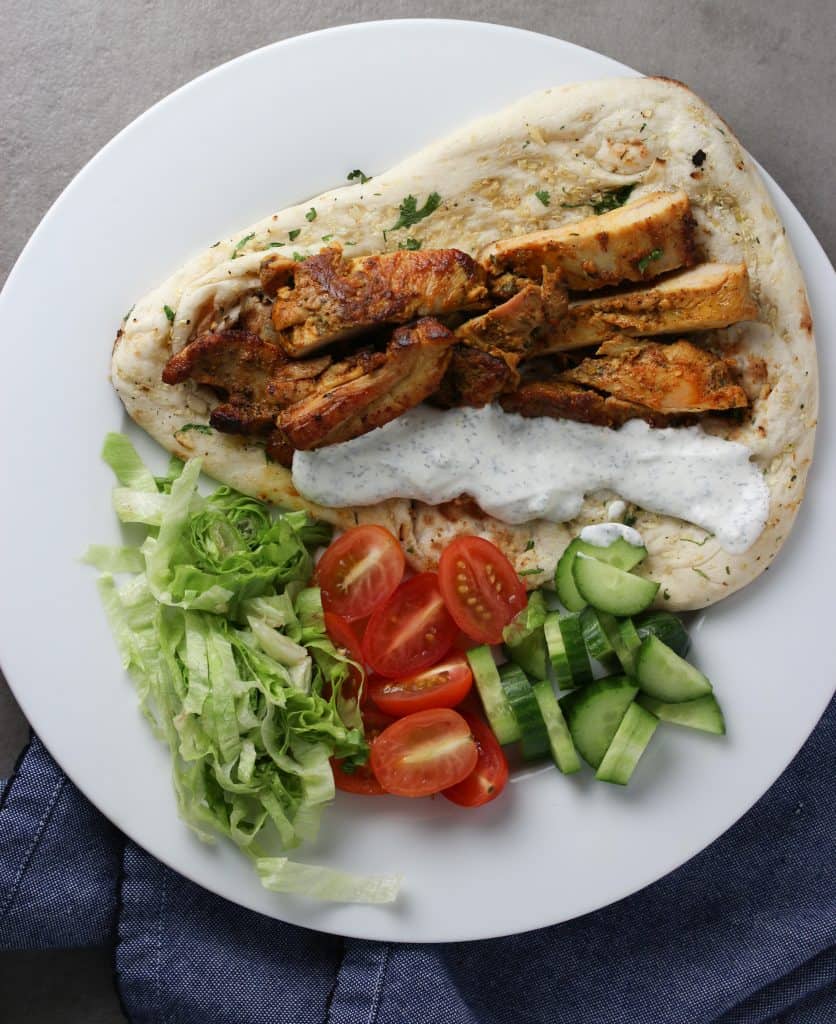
<point x="183" y="175"/>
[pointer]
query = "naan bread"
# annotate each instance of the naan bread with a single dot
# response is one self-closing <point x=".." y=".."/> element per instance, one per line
<point x="571" y="141"/>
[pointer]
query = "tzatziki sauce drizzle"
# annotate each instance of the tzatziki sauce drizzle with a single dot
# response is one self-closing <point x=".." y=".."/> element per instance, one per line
<point x="520" y="469"/>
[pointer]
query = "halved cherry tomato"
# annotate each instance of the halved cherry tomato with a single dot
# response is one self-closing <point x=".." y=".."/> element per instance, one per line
<point x="424" y="753"/>
<point x="412" y="631"/>
<point x="359" y="571"/>
<point x="480" y="587"/>
<point x="443" y="685"/>
<point x="488" y="778"/>
<point x="362" y="779"/>
<point x="345" y="636"/>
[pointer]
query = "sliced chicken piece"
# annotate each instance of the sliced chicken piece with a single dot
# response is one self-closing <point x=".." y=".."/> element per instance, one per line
<point x="640" y="240"/>
<point x="256" y="314"/>
<point x="405" y="374"/>
<point x="703" y="298"/>
<point x="669" y="378"/>
<point x="476" y="377"/>
<point x="561" y="400"/>
<point x="512" y="326"/>
<point x="325" y="297"/>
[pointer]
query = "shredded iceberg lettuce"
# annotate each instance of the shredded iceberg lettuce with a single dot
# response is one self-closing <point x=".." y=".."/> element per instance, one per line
<point x="234" y="670"/>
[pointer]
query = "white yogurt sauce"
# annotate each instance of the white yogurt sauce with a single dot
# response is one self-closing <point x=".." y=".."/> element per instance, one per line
<point x="601" y="535"/>
<point x="520" y="469"/>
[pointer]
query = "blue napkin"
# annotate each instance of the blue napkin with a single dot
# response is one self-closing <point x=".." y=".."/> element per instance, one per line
<point x="742" y="934"/>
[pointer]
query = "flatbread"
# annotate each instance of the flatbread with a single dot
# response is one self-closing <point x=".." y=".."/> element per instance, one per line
<point x="571" y="141"/>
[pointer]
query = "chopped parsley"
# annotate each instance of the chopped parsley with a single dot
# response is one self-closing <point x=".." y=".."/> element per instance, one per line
<point x="200" y="428"/>
<point x="215" y="245"/>
<point x="411" y="243"/>
<point x="409" y="212"/>
<point x="128" y="314"/>
<point x="630" y="519"/>
<point x="311" y="214"/>
<point x="666" y="594"/>
<point x="644" y="125"/>
<point x="529" y="545"/>
<point x="357" y="175"/>
<point x="728" y="571"/>
<point x="294" y="234"/>
<point x="275" y="245"/>
<point x="699" y="572"/>
<point x="698" y="543"/>
<point x="169" y="314"/>
<point x="327" y="238"/>
<point x="239" y="245"/>
<point x="612" y="200"/>
<point x="530" y="572"/>
<point x="299" y="258"/>
<point x="544" y="196"/>
<point x="644" y="262"/>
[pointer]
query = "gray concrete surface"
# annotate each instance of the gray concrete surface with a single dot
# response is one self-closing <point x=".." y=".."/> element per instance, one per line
<point x="73" y="73"/>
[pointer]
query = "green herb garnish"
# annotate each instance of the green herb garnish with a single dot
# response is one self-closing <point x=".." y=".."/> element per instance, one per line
<point x="410" y="214"/>
<point x="411" y="243"/>
<point x="357" y="175"/>
<point x="327" y="238"/>
<point x="529" y="546"/>
<point x="299" y="258"/>
<point x="276" y="245"/>
<point x="236" y="250"/>
<point x="698" y="543"/>
<point x="311" y="214"/>
<point x="644" y="262"/>
<point x="699" y="572"/>
<point x="128" y="314"/>
<point x="530" y="572"/>
<point x="169" y="313"/>
<point x="544" y="196"/>
<point x="612" y="200"/>
<point x="294" y="234"/>
<point x="200" y="428"/>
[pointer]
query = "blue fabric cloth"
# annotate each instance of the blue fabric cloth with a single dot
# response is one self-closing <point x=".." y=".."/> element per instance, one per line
<point x="742" y="934"/>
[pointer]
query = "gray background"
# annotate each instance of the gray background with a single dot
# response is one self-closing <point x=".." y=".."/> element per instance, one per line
<point x="73" y="73"/>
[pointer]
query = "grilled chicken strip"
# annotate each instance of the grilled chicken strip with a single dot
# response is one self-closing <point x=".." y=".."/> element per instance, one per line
<point x="561" y="400"/>
<point x="476" y="377"/>
<point x="239" y="364"/>
<point x="393" y="381"/>
<point x="672" y="378"/>
<point x="326" y="297"/>
<point x="702" y="298"/>
<point x="640" y="240"/>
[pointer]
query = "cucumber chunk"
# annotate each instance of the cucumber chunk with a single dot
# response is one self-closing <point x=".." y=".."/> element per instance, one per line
<point x="624" y="639"/>
<point x="668" y="628"/>
<point x="611" y="590"/>
<point x="560" y="739"/>
<point x="619" y="554"/>
<point x="704" y="713"/>
<point x="662" y="674"/>
<point x="567" y="650"/>
<point x="594" y="714"/>
<point x="598" y="643"/>
<point x="629" y="743"/>
<point x="497" y="709"/>
<point x="524" y="637"/>
<point x="534" y="739"/>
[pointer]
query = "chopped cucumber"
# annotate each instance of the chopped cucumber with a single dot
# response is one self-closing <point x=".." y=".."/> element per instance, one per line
<point x="610" y="589"/>
<point x="619" y="554"/>
<point x="627" y="746"/>
<point x="524" y="638"/>
<point x="497" y="709"/>
<point x="534" y="739"/>
<point x="624" y="639"/>
<point x="668" y="628"/>
<point x="567" y="651"/>
<point x="662" y="674"/>
<point x="703" y="713"/>
<point x="560" y="739"/>
<point x="598" y="643"/>
<point x="594" y="714"/>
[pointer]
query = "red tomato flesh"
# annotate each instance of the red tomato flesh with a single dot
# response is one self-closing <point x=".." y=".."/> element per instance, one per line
<point x="359" y="571"/>
<point x="443" y="685"/>
<point x="424" y="753"/>
<point x="362" y="779"/>
<point x="480" y="587"/>
<point x="488" y="778"/>
<point x="412" y="631"/>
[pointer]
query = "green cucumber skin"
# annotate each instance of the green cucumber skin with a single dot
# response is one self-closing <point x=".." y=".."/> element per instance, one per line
<point x="629" y="743"/>
<point x="610" y="589"/>
<point x="497" y="709"/>
<point x="595" y="637"/>
<point x="579" y="667"/>
<point x="662" y="674"/>
<point x="530" y="654"/>
<point x="668" y="628"/>
<point x="704" y="713"/>
<point x="594" y="714"/>
<point x="619" y="554"/>
<point x="560" y="739"/>
<point x="534" y="737"/>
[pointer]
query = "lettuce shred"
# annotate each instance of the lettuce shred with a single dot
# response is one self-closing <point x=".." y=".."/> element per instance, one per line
<point x="227" y="648"/>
